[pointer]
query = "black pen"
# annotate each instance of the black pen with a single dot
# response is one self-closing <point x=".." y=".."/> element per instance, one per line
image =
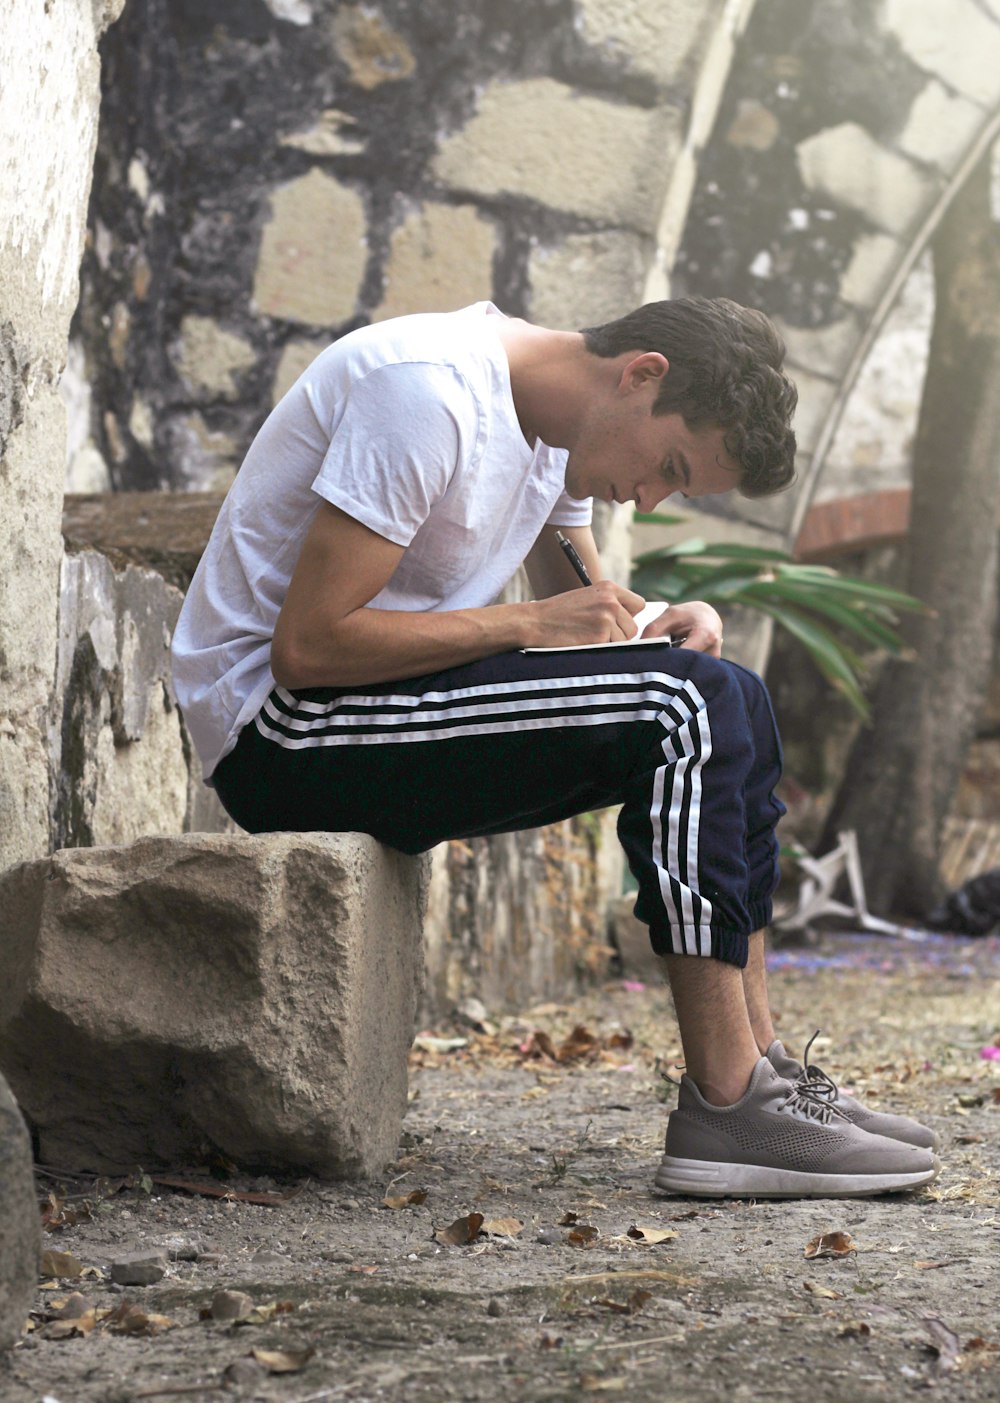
<point x="574" y="559"/>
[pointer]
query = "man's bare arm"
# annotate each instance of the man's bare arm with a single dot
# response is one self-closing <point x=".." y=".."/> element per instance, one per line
<point x="327" y="637"/>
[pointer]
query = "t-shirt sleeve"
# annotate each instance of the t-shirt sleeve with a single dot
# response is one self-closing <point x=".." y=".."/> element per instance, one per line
<point x="571" y="511"/>
<point x="402" y="432"/>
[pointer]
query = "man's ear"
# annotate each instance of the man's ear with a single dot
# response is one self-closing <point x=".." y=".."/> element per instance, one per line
<point x="641" y="370"/>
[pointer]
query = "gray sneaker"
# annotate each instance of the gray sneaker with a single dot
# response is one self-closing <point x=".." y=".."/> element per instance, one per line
<point x="910" y="1132"/>
<point x="779" y="1141"/>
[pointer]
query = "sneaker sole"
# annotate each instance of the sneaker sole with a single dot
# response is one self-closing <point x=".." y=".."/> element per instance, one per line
<point x="702" y="1178"/>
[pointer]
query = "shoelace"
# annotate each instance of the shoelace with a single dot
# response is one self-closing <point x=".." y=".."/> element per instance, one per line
<point x="814" y="1092"/>
<point x="800" y="1098"/>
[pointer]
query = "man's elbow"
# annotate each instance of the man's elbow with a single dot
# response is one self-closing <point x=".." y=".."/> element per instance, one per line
<point x="289" y="667"/>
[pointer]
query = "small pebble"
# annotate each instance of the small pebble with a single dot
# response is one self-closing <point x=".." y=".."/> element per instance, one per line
<point x="349" y="1205"/>
<point x="185" y="1252"/>
<point x="139" y="1268"/>
<point x="231" y="1305"/>
<point x="268" y="1258"/>
<point x="330" y="1254"/>
<point x="549" y="1236"/>
<point x="243" y="1371"/>
<point x="494" y="1307"/>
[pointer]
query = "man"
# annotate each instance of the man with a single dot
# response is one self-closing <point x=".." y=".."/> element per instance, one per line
<point x="341" y="666"/>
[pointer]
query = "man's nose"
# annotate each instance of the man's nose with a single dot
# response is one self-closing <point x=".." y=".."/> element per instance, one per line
<point x="648" y="497"/>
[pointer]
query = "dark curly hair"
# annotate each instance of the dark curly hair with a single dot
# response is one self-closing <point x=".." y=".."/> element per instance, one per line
<point x="725" y="372"/>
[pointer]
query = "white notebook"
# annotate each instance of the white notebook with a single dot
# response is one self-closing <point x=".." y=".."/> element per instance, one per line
<point x="645" y="616"/>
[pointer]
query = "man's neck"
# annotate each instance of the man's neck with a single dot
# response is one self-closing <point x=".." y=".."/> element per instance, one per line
<point x="551" y="377"/>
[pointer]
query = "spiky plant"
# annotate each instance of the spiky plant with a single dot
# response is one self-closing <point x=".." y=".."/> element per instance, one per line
<point x="831" y="615"/>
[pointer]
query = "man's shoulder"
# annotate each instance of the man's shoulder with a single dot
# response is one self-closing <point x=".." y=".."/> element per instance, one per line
<point x="421" y="338"/>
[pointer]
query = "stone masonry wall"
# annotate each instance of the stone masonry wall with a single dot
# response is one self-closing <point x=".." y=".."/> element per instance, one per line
<point x="271" y="175"/>
<point x="844" y="129"/>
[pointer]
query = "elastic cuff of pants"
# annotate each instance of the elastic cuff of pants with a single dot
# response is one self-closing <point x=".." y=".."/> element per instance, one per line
<point x="731" y="947"/>
<point x="760" y="913"/>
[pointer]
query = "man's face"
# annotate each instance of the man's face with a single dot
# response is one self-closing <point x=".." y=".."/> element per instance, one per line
<point x="625" y="453"/>
<point x="647" y="465"/>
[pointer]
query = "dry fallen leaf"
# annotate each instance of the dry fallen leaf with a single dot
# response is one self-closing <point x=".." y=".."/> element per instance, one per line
<point x="415" y="1196"/>
<point x="594" y="1383"/>
<point x="69" y="1329"/>
<point x="503" y="1227"/>
<point x="651" y="1235"/>
<point x="537" y="1044"/>
<point x="826" y="1293"/>
<point x="207" y="1189"/>
<point x="580" y="1043"/>
<point x="283" y="1361"/>
<point x="583" y="1236"/>
<point x="60" y="1264"/>
<point x="127" y="1319"/>
<point x="461" y="1232"/>
<point x="943" y="1342"/>
<point x="855" y="1330"/>
<point x="631" y="1306"/>
<point x="830" y="1244"/>
<point x="261" y="1314"/>
<point x="56" y="1215"/>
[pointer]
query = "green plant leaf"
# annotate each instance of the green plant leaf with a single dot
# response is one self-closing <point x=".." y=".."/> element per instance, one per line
<point x="658" y="519"/>
<point x="814" y="604"/>
<point x="836" y="663"/>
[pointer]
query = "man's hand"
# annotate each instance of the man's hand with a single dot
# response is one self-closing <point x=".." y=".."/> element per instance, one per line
<point x="694" y="625"/>
<point x="601" y="613"/>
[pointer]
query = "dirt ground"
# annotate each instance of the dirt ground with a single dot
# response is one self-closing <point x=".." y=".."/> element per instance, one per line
<point x="553" y="1138"/>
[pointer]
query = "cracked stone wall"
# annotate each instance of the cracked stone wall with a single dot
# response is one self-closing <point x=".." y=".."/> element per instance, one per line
<point x="49" y="102"/>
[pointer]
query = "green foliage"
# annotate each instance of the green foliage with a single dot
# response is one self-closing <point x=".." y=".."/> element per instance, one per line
<point x="831" y="615"/>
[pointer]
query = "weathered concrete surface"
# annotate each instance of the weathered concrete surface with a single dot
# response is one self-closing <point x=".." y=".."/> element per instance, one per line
<point x="541" y="139"/>
<point x="252" y="994"/>
<point x="48" y="130"/>
<point x="19" y="1228"/>
<point x="165" y="531"/>
<point x="119" y="753"/>
<point x="123" y="765"/>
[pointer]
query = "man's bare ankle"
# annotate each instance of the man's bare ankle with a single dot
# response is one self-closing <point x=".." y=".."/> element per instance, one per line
<point x="724" y="1086"/>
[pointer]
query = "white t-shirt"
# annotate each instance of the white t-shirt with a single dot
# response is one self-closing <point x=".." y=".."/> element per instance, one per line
<point x="409" y="426"/>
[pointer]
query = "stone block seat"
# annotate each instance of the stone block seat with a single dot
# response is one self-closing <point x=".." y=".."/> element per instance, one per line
<point x="252" y="996"/>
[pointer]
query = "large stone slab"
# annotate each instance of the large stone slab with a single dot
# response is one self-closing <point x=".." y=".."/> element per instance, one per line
<point x="19" y="1229"/>
<point x="252" y="995"/>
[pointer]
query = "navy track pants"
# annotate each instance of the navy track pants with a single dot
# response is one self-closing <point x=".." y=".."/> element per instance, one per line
<point x="685" y="743"/>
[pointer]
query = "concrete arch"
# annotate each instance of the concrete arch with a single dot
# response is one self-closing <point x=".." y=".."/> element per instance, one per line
<point x="865" y="182"/>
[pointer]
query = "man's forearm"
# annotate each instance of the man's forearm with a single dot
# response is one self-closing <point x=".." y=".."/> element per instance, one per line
<point x="380" y="645"/>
